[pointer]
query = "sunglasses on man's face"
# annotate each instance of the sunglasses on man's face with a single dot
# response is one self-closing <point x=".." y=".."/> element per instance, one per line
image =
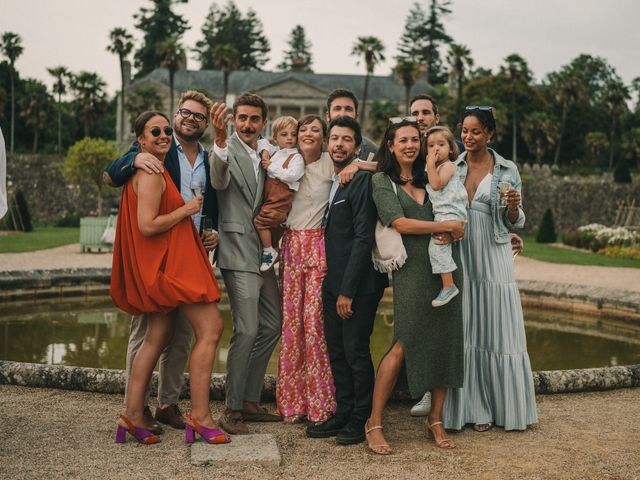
<point x="396" y="120"/>
<point x="155" y="131"/>
<point x="482" y="108"/>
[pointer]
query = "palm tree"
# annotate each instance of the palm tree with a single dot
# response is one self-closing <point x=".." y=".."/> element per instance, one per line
<point x="569" y="89"/>
<point x="615" y="99"/>
<point x="407" y="72"/>
<point x="517" y="71"/>
<point x="62" y="76"/>
<point x="597" y="143"/>
<point x="140" y="99"/>
<point x="540" y="131"/>
<point x="460" y="61"/>
<point x="173" y="57"/>
<point x="90" y="97"/>
<point x="121" y="45"/>
<point x="12" y="48"/>
<point x="371" y="49"/>
<point x="635" y="86"/>
<point x="35" y="108"/>
<point x="225" y="57"/>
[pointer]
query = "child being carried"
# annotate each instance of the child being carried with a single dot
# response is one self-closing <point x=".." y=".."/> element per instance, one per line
<point x="449" y="200"/>
<point x="285" y="167"/>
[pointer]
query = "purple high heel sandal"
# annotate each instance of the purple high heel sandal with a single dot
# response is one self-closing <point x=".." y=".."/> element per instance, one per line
<point x="140" y="434"/>
<point x="210" y="435"/>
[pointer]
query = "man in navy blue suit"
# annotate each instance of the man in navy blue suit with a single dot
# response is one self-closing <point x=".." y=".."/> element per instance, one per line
<point x="188" y="164"/>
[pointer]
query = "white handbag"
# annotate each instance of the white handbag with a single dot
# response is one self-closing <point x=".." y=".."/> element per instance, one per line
<point x="109" y="234"/>
<point x="388" y="253"/>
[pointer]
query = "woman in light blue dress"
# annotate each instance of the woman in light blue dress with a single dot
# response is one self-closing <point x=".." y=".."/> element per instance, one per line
<point x="498" y="386"/>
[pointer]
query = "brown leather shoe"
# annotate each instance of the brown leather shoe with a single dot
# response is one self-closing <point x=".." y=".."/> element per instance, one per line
<point x="260" y="415"/>
<point x="150" y="422"/>
<point x="232" y="422"/>
<point x="171" y="416"/>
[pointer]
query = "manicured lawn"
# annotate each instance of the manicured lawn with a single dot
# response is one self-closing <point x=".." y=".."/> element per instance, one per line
<point x="39" y="239"/>
<point x="548" y="253"/>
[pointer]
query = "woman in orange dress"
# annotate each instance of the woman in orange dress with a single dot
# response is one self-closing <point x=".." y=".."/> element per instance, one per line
<point x="160" y="266"/>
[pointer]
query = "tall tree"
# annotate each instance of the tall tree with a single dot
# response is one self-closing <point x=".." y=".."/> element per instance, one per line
<point x="226" y="58"/>
<point x="566" y="83"/>
<point x="540" y="131"/>
<point x="423" y="35"/>
<point x="36" y="108"/>
<point x="635" y="86"/>
<point x="460" y="63"/>
<point x="518" y="73"/>
<point x="227" y="25"/>
<point x="406" y="72"/>
<point x="172" y="57"/>
<point x="615" y="99"/>
<point x="298" y="56"/>
<point x="62" y="77"/>
<point x="121" y="45"/>
<point x="141" y="99"/>
<point x="12" y="48"/>
<point x="157" y="24"/>
<point x="90" y="97"/>
<point x="371" y="51"/>
<point x="597" y="143"/>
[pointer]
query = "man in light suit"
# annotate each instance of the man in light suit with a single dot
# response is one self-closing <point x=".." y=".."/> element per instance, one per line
<point x="238" y="178"/>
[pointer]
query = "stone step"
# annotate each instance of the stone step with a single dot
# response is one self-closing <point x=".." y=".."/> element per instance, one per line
<point x="254" y="449"/>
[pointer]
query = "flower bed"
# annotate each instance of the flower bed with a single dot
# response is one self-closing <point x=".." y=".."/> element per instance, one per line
<point x="612" y="241"/>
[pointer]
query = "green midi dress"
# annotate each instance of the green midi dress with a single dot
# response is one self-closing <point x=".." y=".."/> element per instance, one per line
<point x="432" y="338"/>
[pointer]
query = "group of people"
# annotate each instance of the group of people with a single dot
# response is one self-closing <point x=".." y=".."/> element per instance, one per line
<point x="311" y="202"/>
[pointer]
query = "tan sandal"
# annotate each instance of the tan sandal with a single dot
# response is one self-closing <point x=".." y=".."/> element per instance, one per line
<point x="446" y="443"/>
<point x="382" y="449"/>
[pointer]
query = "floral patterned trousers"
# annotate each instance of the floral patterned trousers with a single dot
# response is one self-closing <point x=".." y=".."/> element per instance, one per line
<point x="305" y="384"/>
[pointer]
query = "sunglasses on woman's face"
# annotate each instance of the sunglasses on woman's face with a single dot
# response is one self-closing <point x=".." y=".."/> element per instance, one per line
<point x="155" y="131"/>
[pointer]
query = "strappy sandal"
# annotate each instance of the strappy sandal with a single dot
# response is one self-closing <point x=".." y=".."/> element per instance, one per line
<point x="446" y="443"/>
<point x="482" y="427"/>
<point x="382" y="449"/>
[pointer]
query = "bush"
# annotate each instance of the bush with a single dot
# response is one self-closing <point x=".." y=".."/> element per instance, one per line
<point x="69" y="220"/>
<point x="18" y="218"/>
<point x="596" y="237"/>
<point x="547" y="230"/>
<point x="622" y="174"/>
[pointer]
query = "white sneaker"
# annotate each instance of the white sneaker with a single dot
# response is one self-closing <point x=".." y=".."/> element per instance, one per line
<point x="422" y="408"/>
<point x="268" y="259"/>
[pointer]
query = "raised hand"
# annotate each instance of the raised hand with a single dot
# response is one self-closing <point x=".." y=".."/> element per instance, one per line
<point x="220" y="118"/>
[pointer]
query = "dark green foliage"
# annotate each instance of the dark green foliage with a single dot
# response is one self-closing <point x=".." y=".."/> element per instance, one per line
<point x="622" y="174"/>
<point x="18" y="216"/>
<point x="227" y="25"/>
<point x="547" y="230"/>
<point x="423" y="35"/>
<point x="298" y="57"/>
<point x="157" y="24"/>
<point x="69" y="220"/>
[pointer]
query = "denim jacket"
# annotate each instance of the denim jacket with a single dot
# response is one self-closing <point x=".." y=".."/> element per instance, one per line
<point x="501" y="224"/>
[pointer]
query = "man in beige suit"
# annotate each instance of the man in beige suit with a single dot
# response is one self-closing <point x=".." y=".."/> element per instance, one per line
<point x="238" y="178"/>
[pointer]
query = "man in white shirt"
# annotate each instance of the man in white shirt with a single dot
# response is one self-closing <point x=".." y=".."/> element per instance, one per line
<point x="238" y="178"/>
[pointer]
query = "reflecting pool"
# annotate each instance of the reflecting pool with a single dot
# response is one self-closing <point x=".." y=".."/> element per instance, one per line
<point x="94" y="334"/>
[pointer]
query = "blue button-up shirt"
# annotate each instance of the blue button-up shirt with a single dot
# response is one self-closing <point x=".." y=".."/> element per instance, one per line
<point x="190" y="176"/>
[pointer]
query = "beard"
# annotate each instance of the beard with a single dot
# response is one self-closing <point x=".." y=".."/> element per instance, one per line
<point x="192" y="137"/>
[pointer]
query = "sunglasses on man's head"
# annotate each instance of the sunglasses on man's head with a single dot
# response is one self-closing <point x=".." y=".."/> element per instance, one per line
<point x="155" y="131"/>
<point x="482" y="108"/>
<point x="396" y="120"/>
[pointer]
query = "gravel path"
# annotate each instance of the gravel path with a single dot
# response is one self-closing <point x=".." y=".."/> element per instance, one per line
<point x="69" y="256"/>
<point x="62" y="434"/>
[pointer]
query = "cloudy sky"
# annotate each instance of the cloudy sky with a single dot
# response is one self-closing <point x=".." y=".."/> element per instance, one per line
<point x="547" y="33"/>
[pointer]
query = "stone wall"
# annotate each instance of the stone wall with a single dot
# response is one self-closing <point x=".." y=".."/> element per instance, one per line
<point x="574" y="201"/>
<point x="49" y="197"/>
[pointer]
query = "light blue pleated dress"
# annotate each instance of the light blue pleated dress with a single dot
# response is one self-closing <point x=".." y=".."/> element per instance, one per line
<point x="498" y="383"/>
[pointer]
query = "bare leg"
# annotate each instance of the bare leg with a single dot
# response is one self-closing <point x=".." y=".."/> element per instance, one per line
<point x="158" y="333"/>
<point x="438" y="396"/>
<point x="447" y="280"/>
<point x="207" y="326"/>
<point x="385" y="381"/>
<point x="265" y="237"/>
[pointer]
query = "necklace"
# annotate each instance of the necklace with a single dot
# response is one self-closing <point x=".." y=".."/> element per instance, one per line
<point x="406" y="179"/>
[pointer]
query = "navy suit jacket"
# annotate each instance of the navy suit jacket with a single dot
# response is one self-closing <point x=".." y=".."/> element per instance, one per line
<point x="122" y="169"/>
<point x="349" y="237"/>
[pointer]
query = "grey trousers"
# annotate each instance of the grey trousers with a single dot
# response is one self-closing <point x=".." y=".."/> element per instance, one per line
<point x="255" y="310"/>
<point x="172" y="360"/>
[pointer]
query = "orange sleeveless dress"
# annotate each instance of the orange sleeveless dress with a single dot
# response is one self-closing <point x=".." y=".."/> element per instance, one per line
<point x="156" y="274"/>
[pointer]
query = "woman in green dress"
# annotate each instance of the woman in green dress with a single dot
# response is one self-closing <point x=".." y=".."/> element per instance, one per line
<point x="427" y="341"/>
